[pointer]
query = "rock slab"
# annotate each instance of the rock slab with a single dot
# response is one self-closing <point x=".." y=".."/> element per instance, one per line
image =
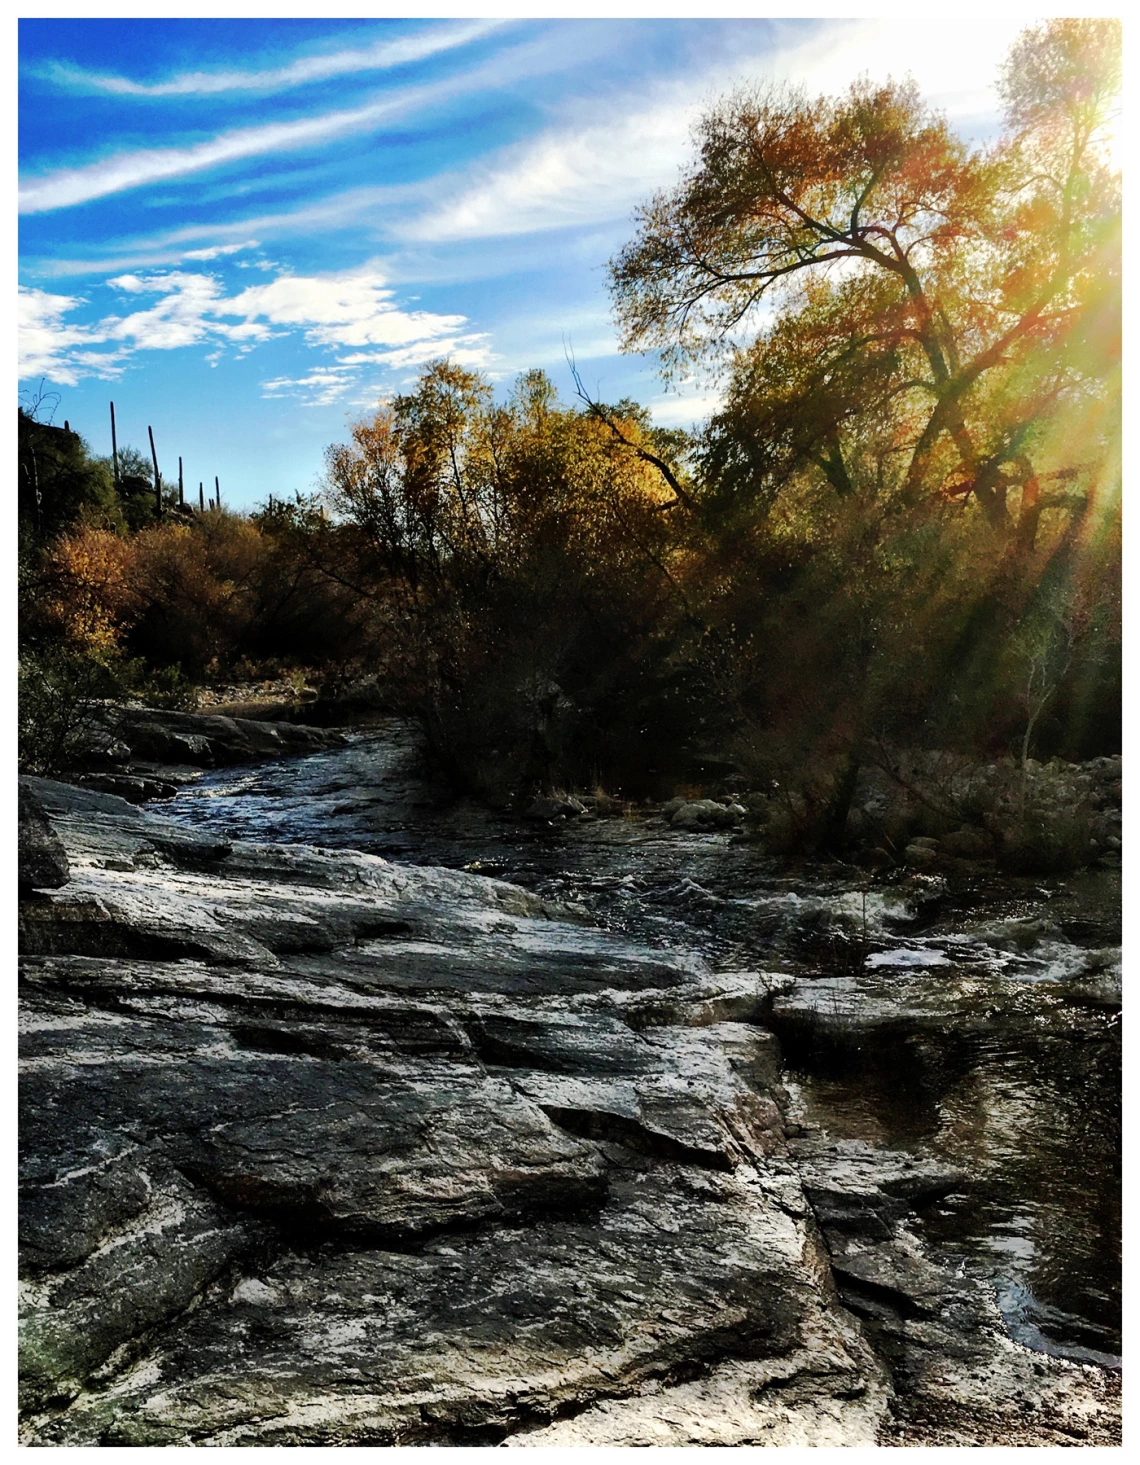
<point x="322" y="1150"/>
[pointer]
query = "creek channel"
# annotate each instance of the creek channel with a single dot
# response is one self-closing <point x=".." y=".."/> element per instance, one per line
<point x="962" y="1016"/>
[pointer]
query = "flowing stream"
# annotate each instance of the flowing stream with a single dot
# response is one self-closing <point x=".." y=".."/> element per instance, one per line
<point x="973" y="1019"/>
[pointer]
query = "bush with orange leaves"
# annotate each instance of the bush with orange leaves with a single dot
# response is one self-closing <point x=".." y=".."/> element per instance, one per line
<point x="86" y="596"/>
<point x="196" y="589"/>
<point x="181" y="593"/>
<point x="228" y="590"/>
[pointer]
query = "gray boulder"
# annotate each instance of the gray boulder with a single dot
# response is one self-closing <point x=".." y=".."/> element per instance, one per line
<point x="207" y="740"/>
<point x="969" y="843"/>
<point x="702" y="814"/>
<point x="42" y="858"/>
<point x="921" y="853"/>
<point x="549" y="808"/>
<point x="135" y="788"/>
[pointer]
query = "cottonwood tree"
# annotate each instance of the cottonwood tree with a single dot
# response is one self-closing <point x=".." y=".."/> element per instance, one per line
<point x="929" y="322"/>
<point x="919" y="343"/>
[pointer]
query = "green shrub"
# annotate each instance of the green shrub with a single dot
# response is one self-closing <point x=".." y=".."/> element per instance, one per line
<point x="63" y="698"/>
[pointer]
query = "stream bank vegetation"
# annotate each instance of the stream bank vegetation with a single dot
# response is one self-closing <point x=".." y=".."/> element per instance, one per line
<point x="877" y="594"/>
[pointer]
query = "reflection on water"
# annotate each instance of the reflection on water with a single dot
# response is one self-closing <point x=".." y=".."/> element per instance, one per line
<point x="1033" y="1119"/>
<point x="980" y="1025"/>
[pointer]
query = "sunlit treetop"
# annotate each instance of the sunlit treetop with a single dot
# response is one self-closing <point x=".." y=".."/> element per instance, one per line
<point x="927" y="313"/>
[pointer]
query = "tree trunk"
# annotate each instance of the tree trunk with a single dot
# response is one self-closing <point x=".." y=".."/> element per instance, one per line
<point x="834" y="824"/>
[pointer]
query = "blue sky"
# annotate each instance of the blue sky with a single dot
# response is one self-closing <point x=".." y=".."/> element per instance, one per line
<point x="247" y="233"/>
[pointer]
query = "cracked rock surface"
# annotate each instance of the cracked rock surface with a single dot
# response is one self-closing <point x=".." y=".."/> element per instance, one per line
<point x="321" y="1149"/>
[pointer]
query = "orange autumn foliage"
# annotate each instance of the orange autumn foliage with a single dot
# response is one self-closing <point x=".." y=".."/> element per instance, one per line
<point x="90" y="595"/>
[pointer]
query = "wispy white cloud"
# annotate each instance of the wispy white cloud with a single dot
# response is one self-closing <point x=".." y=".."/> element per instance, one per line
<point x="51" y="347"/>
<point x="215" y="251"/>
<point x="318" y="388"/>
<point x="337" y="211"/>
<point x="572" y="176"/>
<point x="189" y="310"/>
<point x="351" y="308"/>
<point x="606" y="155"/>
<point x="353" y="311"/>
<point x="671" y="410"/>
<point x="70" y="186"/>
<point x="400" y="51"/>
<point x="154" y="256"/>
<point x="471" y="349"/>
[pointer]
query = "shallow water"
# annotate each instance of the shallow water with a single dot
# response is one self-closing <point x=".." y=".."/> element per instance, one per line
<point x="977" y="1022"/>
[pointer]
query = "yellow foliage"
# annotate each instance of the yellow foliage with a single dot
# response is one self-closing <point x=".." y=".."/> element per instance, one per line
<point x="90" y="594"/>
<point x="197" y="583"/>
